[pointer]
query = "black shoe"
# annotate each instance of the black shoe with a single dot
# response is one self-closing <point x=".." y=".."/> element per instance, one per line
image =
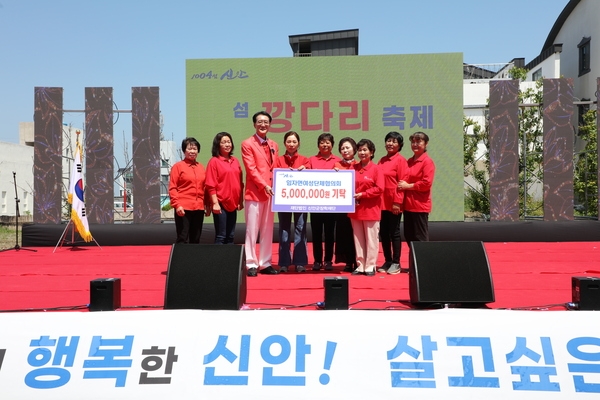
<point x="316" y="266"/>
<point x="370" y="273"/>
<point x="348" y="268"/>
<point x="357" y="272"/>
<point x="328" y="266"/>
<point x="268" y="271"/>
<point x="251" y="271"/>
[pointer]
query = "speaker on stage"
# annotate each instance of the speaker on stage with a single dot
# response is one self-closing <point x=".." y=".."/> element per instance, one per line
<point x="336" y="293"/>
<point x="586" y="292"/>
<point x="449" y="272"/>
<point x="206" y="276"/>
<point x="105" y="294"/>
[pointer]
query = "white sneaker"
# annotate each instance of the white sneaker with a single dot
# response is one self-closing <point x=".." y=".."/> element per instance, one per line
<point x="394" y="269"/>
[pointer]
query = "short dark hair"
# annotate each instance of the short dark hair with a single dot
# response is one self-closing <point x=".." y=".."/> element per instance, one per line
<point x="187" y="141"/>
<point x="325" y="136"/>
<point x="397" y="137"/>
<point x="419" y="135"/>
<point x="349" y="140"/>
<point x="370" y="145"/>
<point x="261" y="113"/>
<point x="291" y="133"/>
<point x="216" y="146"/>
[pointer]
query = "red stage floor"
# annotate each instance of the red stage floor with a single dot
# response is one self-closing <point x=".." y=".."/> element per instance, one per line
<point x="525" y="275"/>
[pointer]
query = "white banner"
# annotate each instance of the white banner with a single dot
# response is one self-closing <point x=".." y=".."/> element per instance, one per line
<point x="183" y="354"/>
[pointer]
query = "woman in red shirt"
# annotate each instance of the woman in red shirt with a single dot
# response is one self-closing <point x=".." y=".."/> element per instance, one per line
<point x="344" y="237"/>
<point x="225" y="185"/>
<point x="369" y="185"/>
<point x="294" y="161"/>
<point x="394" y="168"/>
<point x="186" y="190"/>
<point x="323" y="224"/>
<point x="417" y="190"/>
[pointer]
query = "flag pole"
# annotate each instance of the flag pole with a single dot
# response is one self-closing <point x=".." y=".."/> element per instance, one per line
<point x="78" y="221"/>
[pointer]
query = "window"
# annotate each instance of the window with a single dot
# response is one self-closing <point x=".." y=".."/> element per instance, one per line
<point x="581" y="110"/>
<point x="584" y="55"/>
<point x="304" y="48"/>
<point x="536" y="75"/>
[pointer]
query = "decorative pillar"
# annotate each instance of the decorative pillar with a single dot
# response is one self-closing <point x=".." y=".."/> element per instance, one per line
<point x="504" y="150"/>
<point x="558" y="149"/>
<point x="99" y="142"/>
<point x="146" y="154"/>
<point x="47" y="159"/>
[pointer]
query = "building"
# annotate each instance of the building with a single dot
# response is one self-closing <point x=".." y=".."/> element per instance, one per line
<point x="334" y="43"/>
<point x="572" y="50"/>
<point x="569" y="51"/>
<point x="18" y="159"/>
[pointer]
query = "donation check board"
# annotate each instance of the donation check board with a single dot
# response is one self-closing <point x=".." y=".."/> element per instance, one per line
<point x="313" y="190"/>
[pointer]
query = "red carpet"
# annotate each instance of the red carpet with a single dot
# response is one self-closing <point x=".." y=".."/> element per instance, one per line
<point x="525" y="275"/>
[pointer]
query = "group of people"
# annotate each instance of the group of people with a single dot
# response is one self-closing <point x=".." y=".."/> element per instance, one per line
<point x="384" y="191"/>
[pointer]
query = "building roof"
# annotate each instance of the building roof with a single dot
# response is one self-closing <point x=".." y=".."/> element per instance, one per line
<point x="330" y="35"/>
<point x="559" y="23"/>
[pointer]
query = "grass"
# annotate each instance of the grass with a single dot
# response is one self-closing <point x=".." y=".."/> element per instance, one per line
<point x="7" y="237"/>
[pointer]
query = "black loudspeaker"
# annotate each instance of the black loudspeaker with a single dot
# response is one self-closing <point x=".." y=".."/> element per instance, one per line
<point x="336" y="293"/>
<point x="105" y="294"/>
<point x="206" y="276"/>
<point x="449" y="272"/>
<point x="586" y="292"/>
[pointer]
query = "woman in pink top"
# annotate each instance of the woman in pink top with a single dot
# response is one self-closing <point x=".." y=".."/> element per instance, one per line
<point x="369" y="186"/>
<point x="224" y="184"/>
<point x="294" y="161"/>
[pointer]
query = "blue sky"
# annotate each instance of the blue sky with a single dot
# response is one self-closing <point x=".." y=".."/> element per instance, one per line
<point x="124" y="43"/>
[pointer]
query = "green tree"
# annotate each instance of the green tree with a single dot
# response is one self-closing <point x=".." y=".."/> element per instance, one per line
<point x="586" y="168"/>
<point x="477" y="189"/>
<point x="531" y="151"/>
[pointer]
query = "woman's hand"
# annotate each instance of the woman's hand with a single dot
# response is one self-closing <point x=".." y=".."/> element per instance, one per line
<point x="403" y="185"/>
<point x="180" y="211"/>
<point x="216" y="208"/>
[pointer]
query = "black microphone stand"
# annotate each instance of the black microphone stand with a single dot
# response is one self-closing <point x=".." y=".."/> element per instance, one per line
<point x="17" y="247"/>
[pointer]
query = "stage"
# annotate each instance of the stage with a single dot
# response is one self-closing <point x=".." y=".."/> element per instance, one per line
<point x="531" y="263"/>
<point x="526" y="275"/>
<point x="266" y="351"/>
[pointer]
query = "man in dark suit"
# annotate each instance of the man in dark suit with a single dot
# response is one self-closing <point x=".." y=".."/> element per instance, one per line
<point x="259" y="154"/>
